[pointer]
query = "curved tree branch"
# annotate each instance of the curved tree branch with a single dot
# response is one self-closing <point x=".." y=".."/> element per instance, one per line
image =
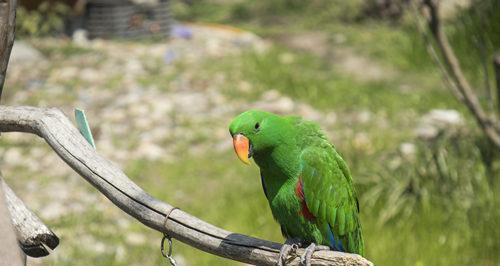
<point x="487" y="123"/>
<point x="66" y="141"/>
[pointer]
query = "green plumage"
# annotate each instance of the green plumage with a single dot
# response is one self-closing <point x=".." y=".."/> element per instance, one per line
<point x="307" y="183"/>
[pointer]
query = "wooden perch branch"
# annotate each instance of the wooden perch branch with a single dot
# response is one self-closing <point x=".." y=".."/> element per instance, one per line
<point x="53" y="126"/>
<point x="487" y="123"/>
<point x="31" y="233"/>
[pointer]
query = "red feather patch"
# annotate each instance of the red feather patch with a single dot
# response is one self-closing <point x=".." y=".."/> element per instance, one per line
<point x="299" y="192"/>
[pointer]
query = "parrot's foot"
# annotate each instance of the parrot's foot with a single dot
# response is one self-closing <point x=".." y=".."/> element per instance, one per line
<point x="305" y="259"/>
<point x="290" y="246"/>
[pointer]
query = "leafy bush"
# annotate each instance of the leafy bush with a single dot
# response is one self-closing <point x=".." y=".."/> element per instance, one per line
<point x="316" y="11"/>
<point x="47" y="19"/>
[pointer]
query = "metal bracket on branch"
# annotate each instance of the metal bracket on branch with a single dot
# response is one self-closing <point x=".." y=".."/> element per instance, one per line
<point x="56" y="129"/>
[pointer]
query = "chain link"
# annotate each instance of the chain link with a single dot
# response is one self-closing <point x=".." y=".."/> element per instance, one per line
<point x="167" y="255"/>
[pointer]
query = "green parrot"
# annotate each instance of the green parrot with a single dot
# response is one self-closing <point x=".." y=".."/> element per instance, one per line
<point x="307" y="183"/>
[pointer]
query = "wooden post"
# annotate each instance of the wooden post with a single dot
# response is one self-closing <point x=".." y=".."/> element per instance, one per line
<point x="7" y="30"/>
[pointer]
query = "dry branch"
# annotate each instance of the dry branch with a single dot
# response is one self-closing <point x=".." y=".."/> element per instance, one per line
<point x="31" y="233"/>
<point x="496" y="66"/>
<point x="53" y="126"/>
<point x="487" y="123"/>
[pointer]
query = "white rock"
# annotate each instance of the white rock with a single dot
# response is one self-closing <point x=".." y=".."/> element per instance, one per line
<point x="436" y="121"/>
<point x="308" y="112"/>
<point x="283" y="105"/>
<point x="443" y="118"/>
<point x="139" y="109"/>
<point x="149" y="151"/>
<point x="244" y="86"/>
<point x="13" y="156"/>
<point x="426" y="132"/>
<point x="272" y="102"/>
<point x="90" y="75"/>
<point x="80" y="37"/>
<point x="134" y="67"/>
<point x="53" y="210"/>
<point x="24" y="53"/>
<point x="331" y="118"/>
<point x="135" y="239"/>
<point x="407" y="149"/>
<point x="271" y="95"/>
<point x="361" y="141"/>
<point x="64" y="73"/>
<point x="364" y="116"/>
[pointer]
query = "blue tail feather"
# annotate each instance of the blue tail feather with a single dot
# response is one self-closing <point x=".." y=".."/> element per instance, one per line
<point x="336" y="245"/>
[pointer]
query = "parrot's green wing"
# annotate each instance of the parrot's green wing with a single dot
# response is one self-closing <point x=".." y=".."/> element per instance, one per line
<point x="330" y="196"/>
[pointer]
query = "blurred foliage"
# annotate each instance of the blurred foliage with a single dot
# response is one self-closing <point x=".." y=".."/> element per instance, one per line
<point x="475" y="36"/>
<point x="47" y="19"/>
<point x="445" y="171"/>
<point x="267" y="11"/>
<point x="384" y="9"/>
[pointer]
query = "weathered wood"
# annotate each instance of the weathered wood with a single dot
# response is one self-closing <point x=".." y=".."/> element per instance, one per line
<point x="32" y="234"/>
<point x="10" y="254"/>
<point x="7" y="30"/>
<point x="53" y="126"/>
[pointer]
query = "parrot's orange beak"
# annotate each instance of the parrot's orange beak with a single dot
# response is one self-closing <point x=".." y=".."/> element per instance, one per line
<point x="242" y="147"/>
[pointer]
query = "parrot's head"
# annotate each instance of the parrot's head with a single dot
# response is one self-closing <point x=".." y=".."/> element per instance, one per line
<point x="256" y="132"/>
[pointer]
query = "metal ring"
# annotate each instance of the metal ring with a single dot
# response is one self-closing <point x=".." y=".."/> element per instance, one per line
<point x="168" y="216"/>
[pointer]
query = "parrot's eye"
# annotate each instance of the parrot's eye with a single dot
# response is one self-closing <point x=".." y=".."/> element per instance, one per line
<point x="257" y="126"/>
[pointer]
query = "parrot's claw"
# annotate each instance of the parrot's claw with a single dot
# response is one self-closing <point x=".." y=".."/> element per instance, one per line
<point x="289" y="247"/>
<point x="305" y="259"/>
